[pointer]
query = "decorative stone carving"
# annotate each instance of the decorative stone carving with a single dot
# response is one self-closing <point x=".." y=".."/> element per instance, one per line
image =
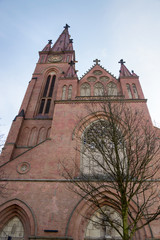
<point x="23" y="167"/>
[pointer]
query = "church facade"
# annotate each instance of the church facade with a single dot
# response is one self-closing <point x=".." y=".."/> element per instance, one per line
<point x="37" y="204"/>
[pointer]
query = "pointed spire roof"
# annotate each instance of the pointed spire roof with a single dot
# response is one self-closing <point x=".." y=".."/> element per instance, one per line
<point x="48" y="46"/>
<point x="71" y="70"/>
<point x="124" y="72"/>
<point x="63" y="43"/>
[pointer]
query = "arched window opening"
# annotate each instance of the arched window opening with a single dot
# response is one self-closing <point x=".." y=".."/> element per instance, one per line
<point x="14" y="228"/>
<point x="70" y="92"/>
<point x="112" y="89"/>
<point x="101" y="224"/>
<point x="46" y="86"/>
<point x="98" y="89"/>
<point x="52" y="86"/>
<point x="33" y="137"/>
<point x="68" y="57"/>
<point x="129" y="90"/>
<point x="47" y="95"/>
<point x="85" y="89"/>
<point x="41" y="135"/>
<point x="64" y="92"/>
<point x="99" y="150"/>
<point x="42" y="58"/>
<point x="25" y="136"/>
<point x="48" y="132"/>
<point x="135" y="90"/>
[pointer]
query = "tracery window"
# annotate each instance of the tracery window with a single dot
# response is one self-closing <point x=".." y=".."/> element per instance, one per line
<point x="64" y="92"/>
<point x="70" y="92"/>
<point x="14" y="229"/>
<point x="98" y="154"/>
<point x="112" y="89"/>
<point x="99" y="226"/>
<point x="129" y="90"/>
<point x="47" y="95"/>
<point x="85" y="89"/>
<point x="98" y="89"/>
<point x="135" y="90"/>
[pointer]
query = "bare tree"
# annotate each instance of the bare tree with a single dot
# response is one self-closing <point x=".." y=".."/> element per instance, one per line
<point x="119" y="153"/>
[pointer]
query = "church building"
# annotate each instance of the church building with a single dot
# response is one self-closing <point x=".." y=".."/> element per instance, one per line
<point x="35" y="202"/>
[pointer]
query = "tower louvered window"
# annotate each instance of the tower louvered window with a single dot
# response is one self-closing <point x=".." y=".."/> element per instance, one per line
<point x="47" y="95"/>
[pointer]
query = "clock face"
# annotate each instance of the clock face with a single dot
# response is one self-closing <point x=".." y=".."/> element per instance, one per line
<point x="54" y="58"/>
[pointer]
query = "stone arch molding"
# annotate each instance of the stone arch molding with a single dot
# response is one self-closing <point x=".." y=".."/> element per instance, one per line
<point x="79" y="220"/>
<point x="18" y="208"/>
<point x="49" y="69"/>
<point x="86" y="121"/>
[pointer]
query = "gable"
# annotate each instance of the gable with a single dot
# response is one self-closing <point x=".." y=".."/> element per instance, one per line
<point x="97" y="75"/>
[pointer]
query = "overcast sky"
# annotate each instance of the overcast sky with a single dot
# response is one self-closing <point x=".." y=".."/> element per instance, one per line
<point x="105" y="29"/>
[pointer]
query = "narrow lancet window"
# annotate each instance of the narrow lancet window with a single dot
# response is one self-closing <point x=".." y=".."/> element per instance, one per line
<point x="70" y="92"/>
<point x="52" y="86"/>
<point x="45" y="102"/>
<point x="46" y="86"/>
<point x="64" y="92"/>
<point x="129" y="90"/>
<point x="135" y="90"/>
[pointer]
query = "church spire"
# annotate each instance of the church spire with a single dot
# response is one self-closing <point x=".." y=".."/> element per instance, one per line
<point x="63" y="43"/>
<point x="71" y="73"/>
<point x="48" y="46"/>
<point x="124" y="72"/>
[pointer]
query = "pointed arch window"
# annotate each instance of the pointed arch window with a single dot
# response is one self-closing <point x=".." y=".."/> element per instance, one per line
<point x="129" y="90"/>
<point x="101" y="224"/>
<point x="64" y="92"/>
<point x="47" y="95"/>
<point x="98" y="152"/>
<point x="70" y="92"/>
<point x="135" y="90"/>
<point x="14" y="228"/>
<point x="98" y="89"/>
<point x="112" y="89"/>
<point x="85" y="89"/>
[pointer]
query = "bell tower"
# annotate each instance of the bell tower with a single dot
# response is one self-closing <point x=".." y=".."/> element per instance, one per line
<point x="54" y="78"/>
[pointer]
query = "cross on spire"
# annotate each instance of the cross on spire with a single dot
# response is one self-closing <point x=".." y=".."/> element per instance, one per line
<point x="50" y="41"/>
<point x="66" y="26"/>
<point x="121" y="61"/>
<point x="96" y="61"/>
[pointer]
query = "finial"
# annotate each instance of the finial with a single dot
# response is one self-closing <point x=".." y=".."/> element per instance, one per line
<point x="50" y="41"/>
<point x="71" y="40"/>
<point x="96" y="61"/>
<point x="66" y="26"/>
<point x="121" y="61"/>
<point x="71" y="63"/>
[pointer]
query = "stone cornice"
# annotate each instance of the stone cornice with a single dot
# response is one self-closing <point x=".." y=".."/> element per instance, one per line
<point x="99" y="100"/>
